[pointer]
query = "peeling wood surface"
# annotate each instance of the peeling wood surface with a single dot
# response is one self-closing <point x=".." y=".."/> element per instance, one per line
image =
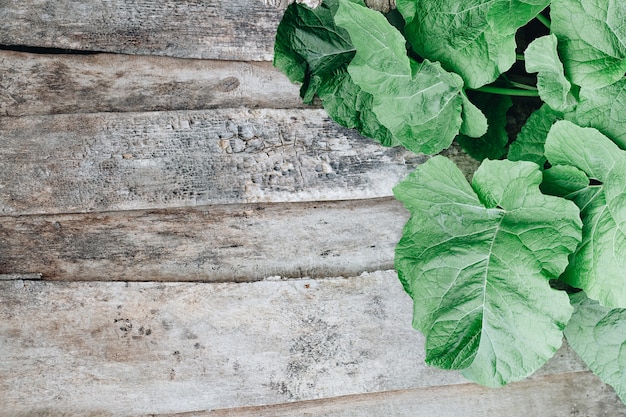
<point x="36" y="84"/>
<point x="241" y="30"/>
<point x="144" y="348"/>
<point x="131" y="161"/>
<point x="570" y="394"/>
<point x="211" y="243"/>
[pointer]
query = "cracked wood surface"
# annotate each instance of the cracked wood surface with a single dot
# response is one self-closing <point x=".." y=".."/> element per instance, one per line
<point x="211" y="243"/>
<point x="150" y="348"/>
<point x="131" y="161"/>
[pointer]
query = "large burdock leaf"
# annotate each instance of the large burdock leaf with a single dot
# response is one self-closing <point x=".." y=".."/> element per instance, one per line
<point x="310" y="49"/>
<point x="598" y="335"/>
<point x="599" y="264"/>
<point x="420" y="103"/>
<point x="592" y="39"/>
<point x="474" y="38"/>
<point x="477" y="261"/>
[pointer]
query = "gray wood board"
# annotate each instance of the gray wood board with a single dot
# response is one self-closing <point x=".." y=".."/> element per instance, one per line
<point x="142" y="348"/>
<point x="570" y="394"/>
<point x="126" y="161"/>
<point x="218" y="29"/>
<point x="210" y="243"/>
<point x="36" y="84"/>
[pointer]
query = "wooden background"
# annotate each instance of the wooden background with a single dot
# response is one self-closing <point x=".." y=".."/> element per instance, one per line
<point x="179" y="235"/>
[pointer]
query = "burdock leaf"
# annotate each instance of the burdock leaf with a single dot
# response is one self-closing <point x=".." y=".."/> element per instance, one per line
<point x="599" y="262"/>
<point x="477" y="261"/>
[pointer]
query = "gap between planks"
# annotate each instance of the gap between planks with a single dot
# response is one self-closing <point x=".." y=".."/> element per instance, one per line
<point x="21" y="277"/>
<point x="239" y="242"/>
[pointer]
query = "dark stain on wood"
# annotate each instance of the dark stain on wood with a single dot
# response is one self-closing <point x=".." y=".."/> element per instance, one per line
<point x="228" y="84"/>
<point x="59" y="84"/>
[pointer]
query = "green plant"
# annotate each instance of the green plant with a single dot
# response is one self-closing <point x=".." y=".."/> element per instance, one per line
<point x="535" y="247"/>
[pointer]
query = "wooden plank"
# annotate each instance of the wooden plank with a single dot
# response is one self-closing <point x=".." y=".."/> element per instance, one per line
<point x="36" y="84"/>
<point x="241" y="30"/>
<point x="141" y="348"/>
<point x="570" y="394"/>
<point x="127" y="161"/>
<point x="210" y="243"/>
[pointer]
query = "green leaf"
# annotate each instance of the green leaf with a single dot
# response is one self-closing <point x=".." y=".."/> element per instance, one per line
<point x="309" y="48"/>
<point x="604" y="109"/>
<point x="530" y="141"/>
<point x="421" y="104"/>
<point x="541" y="56"/>
<point x="592" y="39"/>
<point x="492" y="144"/>
<point x="599" y="262"/>
<point x="474" y="38"/>
<point x="474" y="123"/>
<point x="477" y="261"/>
<point x="598" y="335"/>
<point x="313" y="51"/>
<point x="565" y="181"/>
<point x="584" y="148"/>
<point x="351" y="107"/>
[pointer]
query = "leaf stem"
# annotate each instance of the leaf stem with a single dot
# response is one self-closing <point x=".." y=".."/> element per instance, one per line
<point x="508" y="91"/>
<point x="520" y="57"/>
<point x="522" y="86"/>
<point x="518" y="85"/>
<point x="546" y="22"/>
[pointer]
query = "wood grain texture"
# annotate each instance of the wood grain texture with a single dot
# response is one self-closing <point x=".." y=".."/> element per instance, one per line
<point x="211" y="243"/>
<point x="218" y="29"/>
<point x="143" y="348"/>
<point x="36" y="84"/>
<point x="125" y="161"/>
<point x="570" y="394"/>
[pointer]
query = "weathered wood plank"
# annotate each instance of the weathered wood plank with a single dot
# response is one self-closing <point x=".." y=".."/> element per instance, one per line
<point x="125" y="161"/>
<point x="218" y="29"/>
<point x="137" y="348"/>
<point x="35" y="84"/>
<point x="570" y="394"/>
<point x="211" y="243"/>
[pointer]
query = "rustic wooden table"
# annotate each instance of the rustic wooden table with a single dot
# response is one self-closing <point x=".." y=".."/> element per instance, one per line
<point x="179" y="234"/>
